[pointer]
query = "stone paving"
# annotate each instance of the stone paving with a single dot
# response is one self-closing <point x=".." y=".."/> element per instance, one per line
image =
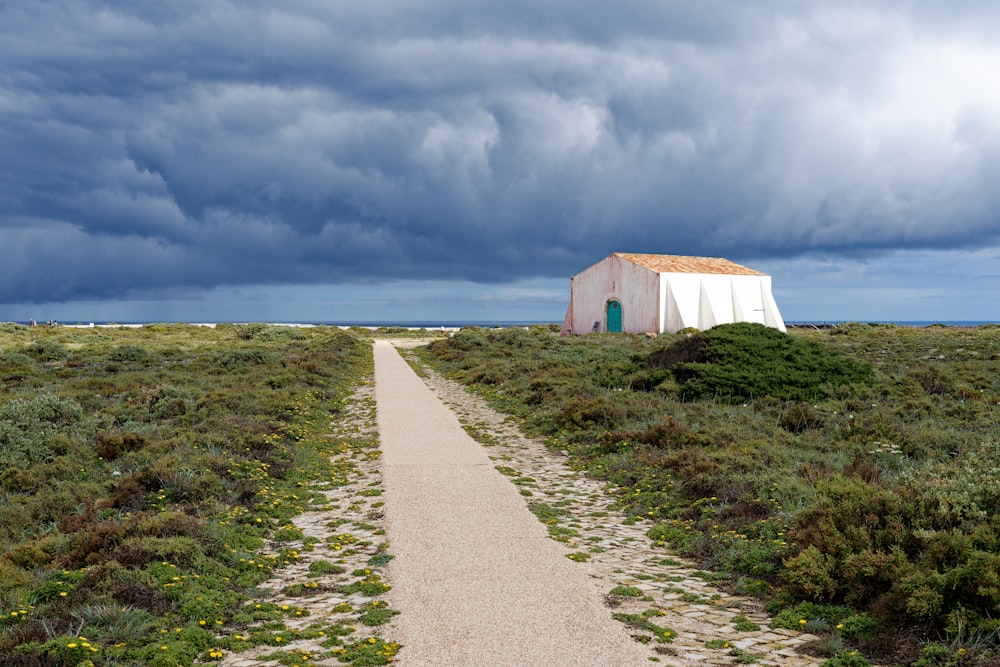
<point x="653" y="590"/>
<point x="346" y="535"/>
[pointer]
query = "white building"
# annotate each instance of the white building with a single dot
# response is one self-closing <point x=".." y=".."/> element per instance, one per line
<point x="638" y="293"/>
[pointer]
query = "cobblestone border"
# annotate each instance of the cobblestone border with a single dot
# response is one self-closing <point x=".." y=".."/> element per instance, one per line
<point x="346" y="534"/>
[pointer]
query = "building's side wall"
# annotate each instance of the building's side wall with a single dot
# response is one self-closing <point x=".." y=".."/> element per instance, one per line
<point x="640" y="305"/>
<point x="753" y="301"/>
<point x="772" y="316"/>
<point x="680" y="296"/>
<point x="567" y="325"/>
<point x="716" y="300"/>
<point x="703" y="301"/>
<point x="613" y="278"/>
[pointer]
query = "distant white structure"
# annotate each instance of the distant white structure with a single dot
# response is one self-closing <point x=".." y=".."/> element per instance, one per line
<point x="639" y="293"/>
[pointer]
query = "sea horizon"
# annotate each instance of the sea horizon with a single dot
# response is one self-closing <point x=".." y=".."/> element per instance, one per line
<point x="458" y="324"/>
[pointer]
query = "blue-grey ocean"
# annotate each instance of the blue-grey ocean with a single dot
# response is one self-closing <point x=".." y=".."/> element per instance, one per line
<point x="456" y="324"/>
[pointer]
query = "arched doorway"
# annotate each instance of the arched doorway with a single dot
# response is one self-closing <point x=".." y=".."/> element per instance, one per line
<point x="614" y="312"/>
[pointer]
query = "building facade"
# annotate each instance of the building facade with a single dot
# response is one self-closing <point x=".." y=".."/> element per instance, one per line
<point x="643" y="293"/>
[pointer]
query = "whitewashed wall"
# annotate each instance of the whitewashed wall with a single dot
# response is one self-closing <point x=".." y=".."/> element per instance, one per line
<point x="703" y="301"/>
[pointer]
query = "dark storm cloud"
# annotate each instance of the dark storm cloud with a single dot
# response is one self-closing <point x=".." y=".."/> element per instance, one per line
<point x="146" y="145"/>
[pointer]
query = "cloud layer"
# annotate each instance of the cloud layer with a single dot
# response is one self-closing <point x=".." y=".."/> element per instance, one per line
<point x="202" y="143"/>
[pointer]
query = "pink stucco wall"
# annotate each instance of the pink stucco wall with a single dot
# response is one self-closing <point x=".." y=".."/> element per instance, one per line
<point x="634" y="287"/>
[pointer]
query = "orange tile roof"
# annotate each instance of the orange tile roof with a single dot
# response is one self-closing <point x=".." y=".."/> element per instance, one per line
<point x="684" y="264"/>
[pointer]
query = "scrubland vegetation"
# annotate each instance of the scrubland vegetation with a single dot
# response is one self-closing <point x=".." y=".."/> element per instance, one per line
<point x="850" y="478"/>
<point x="142" y="471"/>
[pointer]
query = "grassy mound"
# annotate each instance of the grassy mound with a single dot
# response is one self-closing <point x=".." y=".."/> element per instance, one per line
<point x="741" y="361"/>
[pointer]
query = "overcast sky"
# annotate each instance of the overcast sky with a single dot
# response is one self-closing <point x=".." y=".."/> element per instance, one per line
<point x="460" y="159"/>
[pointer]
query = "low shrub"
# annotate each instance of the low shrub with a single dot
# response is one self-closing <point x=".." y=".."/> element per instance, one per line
<point x="169" y="401"/>
<point x="858" y="627"/>
<point x="847" y="659"/>
<point x="581" y="414"/>
<point x="736" y="362"/>
<point x="800" y="417"/>
<point x="16" y="361"/>
<point x="668" y="434"/>
<point x="128" y="353"/>
<point x="233" y="359"/>
<point x="801" y="614"/>
<point x="30" y="429"/>
<point x="140" y="551"/>
<point x="263" y="332"/>
<point x="46" y="350"/>
<point x="112" y="445"/>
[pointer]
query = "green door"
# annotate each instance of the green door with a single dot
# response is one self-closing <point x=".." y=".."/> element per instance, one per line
<point x="614" y="317"/>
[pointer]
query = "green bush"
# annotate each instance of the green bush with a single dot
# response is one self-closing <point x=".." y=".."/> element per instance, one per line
<point x="139" y="551"/>
<point x="126" y="353"/>
<point x="264" y="332"/>
<point x="847" y="659"/>
<point x="810" y="575"/>
<point x="585" y="413"/>
<point x="232" y="359"/>
<point x="792" y="618"/>
<point x="668" y="434"/>
<point x="860" y="627"/>
<point x="46" y="350"/>
<point x="800" y="417"/>
<point x="12" y="577"/>
<point x="30" y="429"/>
<point x="16" y="361"/>
<point x="736" y="362"/>
<point x="169" y="401"/>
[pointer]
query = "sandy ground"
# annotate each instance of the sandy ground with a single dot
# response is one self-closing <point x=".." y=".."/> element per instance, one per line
<point x="475" y="577"/>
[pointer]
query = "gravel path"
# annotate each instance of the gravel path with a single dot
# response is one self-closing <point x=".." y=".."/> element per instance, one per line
<point x="475" y="577"/>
